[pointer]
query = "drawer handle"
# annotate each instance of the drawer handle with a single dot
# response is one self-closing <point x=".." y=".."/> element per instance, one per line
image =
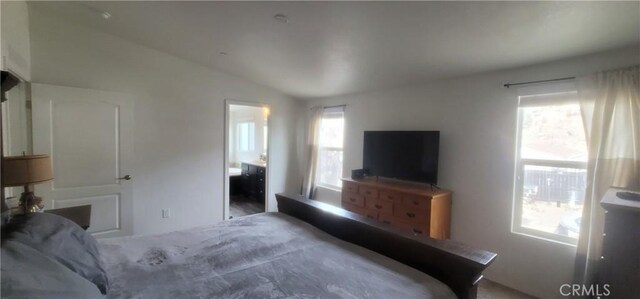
<point x="378" y="206"/>
<point x="411" y="215"/>
<point x="416" y="203"/>
<point x="370" y="216"/>
<point x="417" y="231"/>
<point x="386" y="221"/>
<point x="352" y="199"/>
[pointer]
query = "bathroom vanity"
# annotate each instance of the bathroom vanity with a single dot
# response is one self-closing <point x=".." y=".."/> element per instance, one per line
<point x="253" y="182"/>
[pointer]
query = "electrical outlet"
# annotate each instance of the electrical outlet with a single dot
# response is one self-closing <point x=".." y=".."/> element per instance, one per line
<point x="166" y="213"/>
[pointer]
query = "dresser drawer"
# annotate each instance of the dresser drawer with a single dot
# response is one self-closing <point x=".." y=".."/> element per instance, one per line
<point x="379" y="205"/>
<point x="353" y="208"/>
<point x="348" y="186"/>
<point x="418" y="202"/>
<point x="419" y="230"/>
<point x="389" y="219"/>
<point x="390" y="195"/>
<point x="359" y="210"/>
<point x="411" y="213"/>
<point x="413" y="227"/>
<point x="353" y="198"/>
<point x="369" y="192"/>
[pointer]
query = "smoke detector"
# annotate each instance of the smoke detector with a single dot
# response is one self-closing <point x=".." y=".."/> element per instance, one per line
<point x="282" y="18"/>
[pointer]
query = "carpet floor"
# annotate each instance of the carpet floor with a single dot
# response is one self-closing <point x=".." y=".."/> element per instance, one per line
<point x="492" y="290"/>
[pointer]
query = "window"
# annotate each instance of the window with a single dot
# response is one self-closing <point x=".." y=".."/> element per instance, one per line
<point x="330" y="150"/>
<point x="551" y="160"/>
<point x="246" y="136"/>
<point x="265" y="131"/>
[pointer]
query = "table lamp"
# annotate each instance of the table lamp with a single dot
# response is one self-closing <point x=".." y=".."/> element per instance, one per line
<point x="26" y="171"/>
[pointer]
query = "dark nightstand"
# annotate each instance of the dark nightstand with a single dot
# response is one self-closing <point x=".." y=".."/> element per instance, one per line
<point x="80" y="214"/>
<point x="620" y="262"/>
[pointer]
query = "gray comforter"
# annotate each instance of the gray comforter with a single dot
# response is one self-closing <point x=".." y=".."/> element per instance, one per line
<point x="269" y="255"/>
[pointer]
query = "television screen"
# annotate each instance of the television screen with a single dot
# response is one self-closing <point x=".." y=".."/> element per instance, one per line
<point x="404" y="155"/>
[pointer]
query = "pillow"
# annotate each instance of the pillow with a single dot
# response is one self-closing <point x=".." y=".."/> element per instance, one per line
<point x="61" y="240"/>
<point x="27" y="273"/>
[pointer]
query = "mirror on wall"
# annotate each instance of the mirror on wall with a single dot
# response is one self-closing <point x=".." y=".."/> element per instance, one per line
<point x="16" y="130"/>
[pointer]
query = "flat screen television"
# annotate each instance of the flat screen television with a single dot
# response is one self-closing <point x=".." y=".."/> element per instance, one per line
<point x="403" y="155"/>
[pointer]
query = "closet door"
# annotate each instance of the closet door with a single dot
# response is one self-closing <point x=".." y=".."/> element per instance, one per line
<point x="89" y="136"/>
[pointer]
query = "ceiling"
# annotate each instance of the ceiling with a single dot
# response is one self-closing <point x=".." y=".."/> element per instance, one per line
<point x="333" y="48"/>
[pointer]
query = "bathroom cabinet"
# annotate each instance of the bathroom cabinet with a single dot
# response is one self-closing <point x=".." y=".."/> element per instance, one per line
<point x="253" y="181"/>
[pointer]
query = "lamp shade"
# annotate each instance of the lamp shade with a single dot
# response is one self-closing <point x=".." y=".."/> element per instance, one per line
<point x="26" y="170"/>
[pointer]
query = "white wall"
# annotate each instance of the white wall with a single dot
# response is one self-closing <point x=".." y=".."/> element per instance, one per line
<point x="477" y="119"/>
<point x="15" y="49"/>
<point x="14" y="38"/>
<point x="178" y="118"/>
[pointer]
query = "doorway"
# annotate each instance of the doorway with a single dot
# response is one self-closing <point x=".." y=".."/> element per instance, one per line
<point x="246" y="165"/>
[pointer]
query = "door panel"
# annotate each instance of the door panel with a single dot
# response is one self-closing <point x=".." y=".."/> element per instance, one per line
<point x="80" y="128"/>
<point x="89" y="136"/>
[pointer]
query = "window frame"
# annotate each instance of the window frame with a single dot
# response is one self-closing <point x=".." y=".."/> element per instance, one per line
<point x="520" y="163"/>
<point x="251" y="124"/>
<point x="321" y="148"/>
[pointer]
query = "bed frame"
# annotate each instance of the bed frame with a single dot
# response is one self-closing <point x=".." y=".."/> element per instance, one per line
<point x="458" y="266"/>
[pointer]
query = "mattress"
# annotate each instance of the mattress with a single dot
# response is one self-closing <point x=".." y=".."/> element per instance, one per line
<point x="268" y="255"/>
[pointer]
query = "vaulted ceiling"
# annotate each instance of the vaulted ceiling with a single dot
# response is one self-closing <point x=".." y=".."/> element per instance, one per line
<point x="330" y="48"/>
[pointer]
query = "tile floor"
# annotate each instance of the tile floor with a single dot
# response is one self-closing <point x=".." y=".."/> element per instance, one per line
<point x="241" y="206"/>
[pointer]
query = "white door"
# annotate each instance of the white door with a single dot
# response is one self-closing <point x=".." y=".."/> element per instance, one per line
<point x="89" y="136"/>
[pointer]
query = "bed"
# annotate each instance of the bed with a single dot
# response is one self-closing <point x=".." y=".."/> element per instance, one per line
<point x="306" y="250"/>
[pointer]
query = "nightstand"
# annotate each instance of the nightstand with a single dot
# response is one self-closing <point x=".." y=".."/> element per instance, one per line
<point x="80" y="214"/>
<point x="620" y="262"/>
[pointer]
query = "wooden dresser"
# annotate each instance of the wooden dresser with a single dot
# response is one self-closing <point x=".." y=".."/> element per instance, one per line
<point x="620" y="261"/>
<point x="413" y="207"/>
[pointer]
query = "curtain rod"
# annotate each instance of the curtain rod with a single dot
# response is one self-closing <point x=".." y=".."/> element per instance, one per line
<point x="539" y="81"/>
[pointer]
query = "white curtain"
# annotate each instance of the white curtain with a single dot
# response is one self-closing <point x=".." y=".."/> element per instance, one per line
<point x="313" y="136"/>
<point x="610" y="105"/>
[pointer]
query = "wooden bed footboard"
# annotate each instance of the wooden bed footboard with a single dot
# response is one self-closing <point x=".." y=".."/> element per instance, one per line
<point x="458" y="266"/>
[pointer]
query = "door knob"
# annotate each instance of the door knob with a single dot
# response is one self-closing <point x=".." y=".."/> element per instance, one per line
<point x="126" y="177"/>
